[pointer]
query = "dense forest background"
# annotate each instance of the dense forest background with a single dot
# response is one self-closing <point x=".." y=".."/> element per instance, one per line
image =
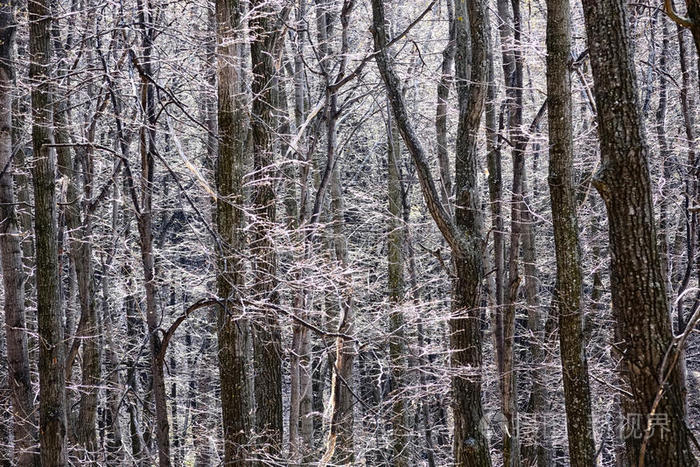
<point x="349" y="232"/>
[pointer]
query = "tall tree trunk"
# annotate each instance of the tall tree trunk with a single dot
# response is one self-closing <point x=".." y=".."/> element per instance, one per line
<point x="266" y="330"/>
<point x="513" y="75"/>
<point x="80" y="231"/>
<point x="691" y="180"/>
<point x="231" y="329"/>
<point x="463" y="232"/>
<point x="443" y="93"/>
<point x="52" y="385"/>
<point x="640" y="308"/>
<point x="397" y="347"/>
<point x="144" y="220"/>
<point x="470" y="445"/>
<point x="569" y="282"/>
<point x="340" y="445"/>
<point x="21" y="391"/>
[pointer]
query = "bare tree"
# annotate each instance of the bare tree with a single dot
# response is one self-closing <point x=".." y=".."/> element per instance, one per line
<point x="640" y="308"/>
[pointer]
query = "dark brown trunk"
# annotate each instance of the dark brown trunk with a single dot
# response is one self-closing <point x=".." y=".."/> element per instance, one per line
<point x="266" y="330"/>
<point x="569" y="281"/>
<point x="52" y="390"/>
<point x="231" y="328"/>
<point x="19" y="381"/>
<point x="640" y="308"/>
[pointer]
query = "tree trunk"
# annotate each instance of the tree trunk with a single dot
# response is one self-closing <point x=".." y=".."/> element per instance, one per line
<point x="144" y="219"/>
<point x="569" y="282"/>
<point x="21" y="391"/>
<point x="443" y="93"/>
<point x="230" y="220"/>
<point x="640" y="308"/>
<point x="340" y="446"/>
<point x="52" y="389"/>
<point x="463" y="232"/>
<point x="470" y="444"/>
<point x="397" y="348"/>
<point x="267" y="334"/>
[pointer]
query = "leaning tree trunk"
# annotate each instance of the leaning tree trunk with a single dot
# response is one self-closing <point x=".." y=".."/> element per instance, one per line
<point x="21" y="391"/>
<point x="52" y="384"/>
<point x="569" y="282"/>
<point x="461" y="231"/>
<point x="640" y="308"/>
<point x="231" y="329"/>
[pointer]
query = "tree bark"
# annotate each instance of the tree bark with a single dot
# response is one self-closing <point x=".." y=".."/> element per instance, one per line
<point x="231" y="328"/>
<point x="52" y="386"/>
<point x="463" y="232"/>
<point x="266" y="331"/>
<point x="640" y="308"/>
<point x="397" y="348"/>
<point x="21" y="391"/>
<point x="443" y="93"/>
<point x="569" y="281"/>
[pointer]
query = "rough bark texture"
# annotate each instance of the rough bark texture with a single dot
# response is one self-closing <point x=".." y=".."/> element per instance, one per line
<point x="229" y="221"/>
<point x="443" y="93"/>
<point x="640" y="309"/>
<point x="511" y="32"/>
<point x="564" y="218"/>
<point x="21" y="392"/>
<point x="79" y="231"/>
<point x="470" y="444"/>
<point x="52" y="389"/>
<point x="267" y="334"/>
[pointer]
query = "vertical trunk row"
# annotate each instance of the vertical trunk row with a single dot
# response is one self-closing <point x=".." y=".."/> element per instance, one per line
<point x="267" y="334"/>
<point x="463" y="231"/>
<point x="470" y="444"/>
<point x="231" y="329"/>
<point x="640" y="308"/>
<point x="79" y="230"/>
<point x="513" y="75"/>
<point x="21" y="392"/>
<point x="569" y="281"/>
<point x="52" y="390"/>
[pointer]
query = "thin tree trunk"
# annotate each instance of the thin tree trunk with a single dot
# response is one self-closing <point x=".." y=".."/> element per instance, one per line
<point x="569" y="282"/>
<point x="397" y="347"/>
<point x="340" y="447"/>
<point x="443" y="92"/>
